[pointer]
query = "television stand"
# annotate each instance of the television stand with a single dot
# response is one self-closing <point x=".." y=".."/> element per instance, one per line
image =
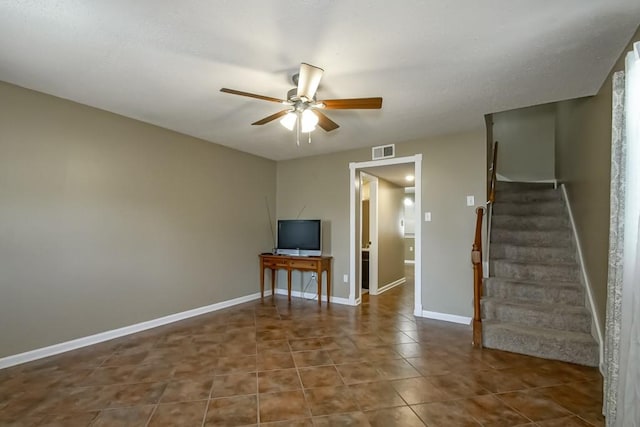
<point x="316" y="264"/>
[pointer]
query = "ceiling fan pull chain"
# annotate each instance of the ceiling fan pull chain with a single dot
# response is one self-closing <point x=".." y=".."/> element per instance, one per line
<point x="309" y="137"/>
<point x="298" y="131"/>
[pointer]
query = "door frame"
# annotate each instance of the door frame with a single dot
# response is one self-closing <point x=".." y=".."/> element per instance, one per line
<point x="354" y="298"/>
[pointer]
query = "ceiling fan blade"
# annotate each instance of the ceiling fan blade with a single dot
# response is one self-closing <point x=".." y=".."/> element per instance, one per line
<point x="352" y="104"/>
<point x="308" y="80"/>
<point x="271" y="117"/>
<point x="325" y="122"/>
<point x="252" y="95"/>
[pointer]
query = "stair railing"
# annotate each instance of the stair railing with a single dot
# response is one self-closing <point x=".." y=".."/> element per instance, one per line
<point x="476" y="250"/>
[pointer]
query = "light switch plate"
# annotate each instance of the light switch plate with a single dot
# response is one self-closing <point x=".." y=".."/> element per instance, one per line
<point x="427" y="216"/>
<point x="345" y="278"/>
<point x="470" y="201"/>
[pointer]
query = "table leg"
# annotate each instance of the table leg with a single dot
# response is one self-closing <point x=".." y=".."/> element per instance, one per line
<point x="329" y="283"/>
<point x="289" y="283"/>
<point x="319" y="275"/>
<point x="273" y="283"/>
<point x="261" y="282"/>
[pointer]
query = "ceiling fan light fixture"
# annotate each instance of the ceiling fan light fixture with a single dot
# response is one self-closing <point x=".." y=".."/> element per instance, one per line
<point x="309" y="121"/>
<point x="289" y="120"/>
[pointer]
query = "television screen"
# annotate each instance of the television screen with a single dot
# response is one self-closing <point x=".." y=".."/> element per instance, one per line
<point x="300" y="237"/>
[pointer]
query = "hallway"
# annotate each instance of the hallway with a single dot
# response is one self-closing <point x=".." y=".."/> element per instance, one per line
<point x="298" y="364"/>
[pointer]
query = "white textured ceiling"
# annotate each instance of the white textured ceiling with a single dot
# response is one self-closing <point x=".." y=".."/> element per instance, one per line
<point x="439" y="65"/>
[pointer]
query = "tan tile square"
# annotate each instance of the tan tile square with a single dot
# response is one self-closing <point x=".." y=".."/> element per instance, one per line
<point x="491" y="411"/>
<point x="232" y="411"/>
<point x="353" y="373"/>
<point x="534" y="405"/>
<point x="234" y="365"/>
<point x="320" y="376"/>
<point x="306" y="344"/>
<point x="376" y="395"/>
<point x="571" y="421"/>
<point x="400" y="416"/>
<point x="304" y="359"/>
<point x="348" y="419"/>
<point x="182" y="391"/>
<point x="278" y="346"/>
<point x="178" y="414"/>
<point x="330" y="400"/>
<point x="349" y="355"/>
<point x="396" y="369"/>
<point x="82" y="419"/>
<point x="285" y="405"/>
<point x="272" y="361"/>
<point x="136" y="394"/>
<point x="234" y="385"/>
<point x="278" y="380"/>
<point x="445" y="414"/>
<point x="418" y="390"/>
<point x="131" y="416"/>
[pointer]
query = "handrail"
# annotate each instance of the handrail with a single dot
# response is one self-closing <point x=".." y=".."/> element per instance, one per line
<point x="492" y="182"/>
<point x="476" y="260"/>
<point x="476" y="251"/>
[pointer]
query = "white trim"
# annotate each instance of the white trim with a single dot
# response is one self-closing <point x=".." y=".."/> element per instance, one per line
<point x="409" y="261"/>
<point x="585" y="278"/>
<point x="391" y="285"/>
<point x="63" y="347"/>
<point x="374" y="266"/>
<point x="312" y="296"/>
<point x="417" y="161"/>
<point x="453" y="318"/>
<point x="352" y="235"/>
<point x="553" y="181"/>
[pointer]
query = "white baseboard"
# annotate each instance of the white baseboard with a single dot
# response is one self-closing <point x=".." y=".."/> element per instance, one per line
<point x="553" y="181"/>
<point x="52" y="350"/>
<point x="585" y="278"/>
<point x="311" y="296"/>
<point x="391" y="285"/>
<point x="453" y="318"/>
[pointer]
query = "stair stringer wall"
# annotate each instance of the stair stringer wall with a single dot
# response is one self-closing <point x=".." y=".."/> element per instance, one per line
<point x="596" y="330"/>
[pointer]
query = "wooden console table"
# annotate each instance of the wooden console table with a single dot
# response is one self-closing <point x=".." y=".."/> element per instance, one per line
<point x="317" y="264"/>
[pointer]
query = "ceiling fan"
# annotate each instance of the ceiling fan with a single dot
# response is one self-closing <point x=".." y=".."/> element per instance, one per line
<point x="303" y="109"/>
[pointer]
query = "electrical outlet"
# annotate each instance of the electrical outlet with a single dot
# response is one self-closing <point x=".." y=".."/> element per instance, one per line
<point x="313" y="275"/>
<point x="345" y="278"/>
<point x="471" y="201"/>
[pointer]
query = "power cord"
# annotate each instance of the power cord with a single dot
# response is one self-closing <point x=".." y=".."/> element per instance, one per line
<point x="312" y="279"/>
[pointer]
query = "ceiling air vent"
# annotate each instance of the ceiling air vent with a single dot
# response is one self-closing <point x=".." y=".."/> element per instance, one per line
<point x="383" y="152"/>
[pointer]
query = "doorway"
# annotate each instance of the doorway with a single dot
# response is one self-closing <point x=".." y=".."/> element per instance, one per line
<point x="355" y="204"/>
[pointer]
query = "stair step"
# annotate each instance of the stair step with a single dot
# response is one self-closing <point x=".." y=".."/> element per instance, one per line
<point x="537" y="195"/>
<point x="568" y="293"/>
<point x="503" y="186"/>
<point x="554" y="207"/>
<point x="573" y="347"/>
<point x="535" y="271"/>
<point x="545" y="238"/>
<point x="552" y="316"/>
<point x="529" y="222"/>
<point x="537" y="254"/>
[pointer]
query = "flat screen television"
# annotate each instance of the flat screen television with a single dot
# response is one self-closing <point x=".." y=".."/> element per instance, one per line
<point x="301" y="237"/>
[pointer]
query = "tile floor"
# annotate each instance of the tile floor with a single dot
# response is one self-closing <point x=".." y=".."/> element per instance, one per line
<point x="277" y="364"/>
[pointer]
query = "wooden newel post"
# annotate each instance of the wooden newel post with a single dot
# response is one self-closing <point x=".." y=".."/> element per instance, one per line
<point x="476" y="260"/>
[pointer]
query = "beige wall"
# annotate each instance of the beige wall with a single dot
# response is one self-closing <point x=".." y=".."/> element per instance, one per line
<point x="106" y="221"/>
<point x="451" y="171"/>
<point x="583" y="163"/>
<point x="390" y="237"/>
<point x="527" y="143"/>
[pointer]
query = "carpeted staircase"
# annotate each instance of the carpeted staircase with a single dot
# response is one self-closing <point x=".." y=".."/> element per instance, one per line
<point x="534" y="303"/>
